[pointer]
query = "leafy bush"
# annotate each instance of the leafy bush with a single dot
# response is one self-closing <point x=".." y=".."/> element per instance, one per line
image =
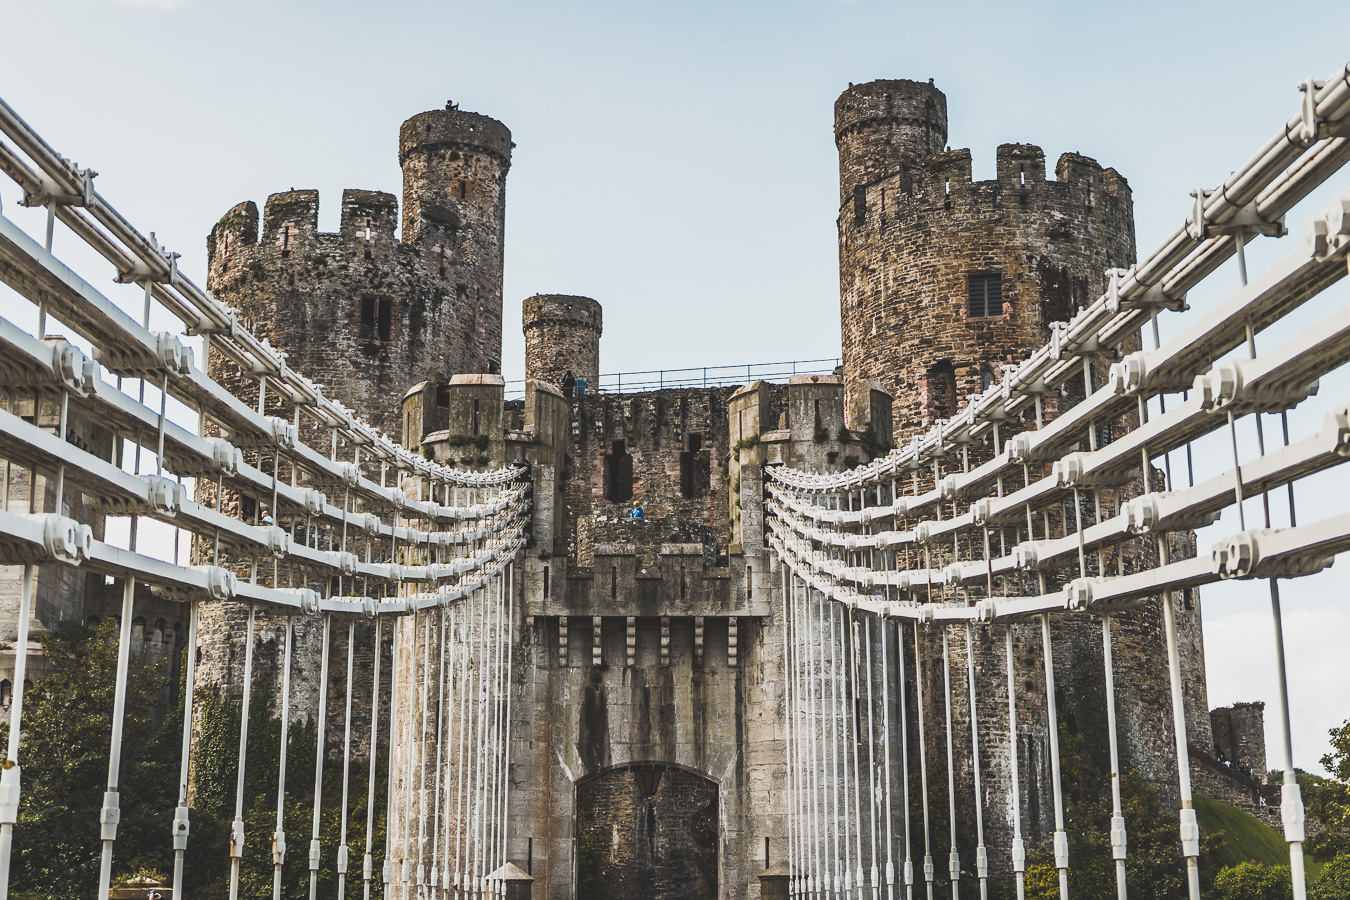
<point x="1253" y="881"/>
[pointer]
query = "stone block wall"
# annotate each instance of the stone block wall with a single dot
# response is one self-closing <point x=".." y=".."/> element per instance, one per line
<point x="914" y="231"/>
<point x="666" y="450"/>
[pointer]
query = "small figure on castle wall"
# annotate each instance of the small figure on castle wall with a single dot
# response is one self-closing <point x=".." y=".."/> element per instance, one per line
<point x="637" y="510"/>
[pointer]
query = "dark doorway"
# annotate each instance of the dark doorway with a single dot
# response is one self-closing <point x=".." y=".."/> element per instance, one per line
<point x="647" y="832"/>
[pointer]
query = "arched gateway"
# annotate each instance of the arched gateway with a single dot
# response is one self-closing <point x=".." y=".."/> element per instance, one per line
<point x="647" y="831"/>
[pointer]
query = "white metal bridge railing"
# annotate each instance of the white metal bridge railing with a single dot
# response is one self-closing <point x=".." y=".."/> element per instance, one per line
<point x="347" y="541"/>
<point x="925" y="539"/>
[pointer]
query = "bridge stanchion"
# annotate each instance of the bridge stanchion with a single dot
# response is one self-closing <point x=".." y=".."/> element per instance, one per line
<point x="981" y="854"/>
<point x="840" y="872"/>
<point x="510" y="661"/>
<point x="180" y="817"/>
<point x="237" y="826"/>
<point x="1118" y="833"/>
<point x="342" y="852"/>
<point x="319" y="733"/>
<point x="367" y="863"/>
<point x="852" y="656"/>
<point x="1019" y="853"/>
<point x="904" y="749"/>
<point x="954" y="858"/>
<point x="110" y="814"/>
<point x="279" y="836"/>
<point x="440" y="732"/>
<point x="928" y="870"/>
<point x="788" y="735"/>
<point x="875" y="872"/>
<point x="1190" y="828"/>
<point x="1052" y="725"/>
<point x="9" y="777"/>
<point x="884" y="640"/>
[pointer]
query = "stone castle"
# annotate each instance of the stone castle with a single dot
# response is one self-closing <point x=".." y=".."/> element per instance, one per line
<point x="646" y="685"/>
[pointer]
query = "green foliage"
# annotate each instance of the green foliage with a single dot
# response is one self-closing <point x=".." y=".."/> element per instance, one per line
<point x="216" y="760"/>
<point x="477" y="441"/>
<point x="1253" y="881"/>
<point x="745" y="443"/>
<point x="64" y="754"/>
<point x="873" y="443"/>
<point x="1328" y="799"/>
<point x="1155" y="869"/>
<point x="1335" y="881"/>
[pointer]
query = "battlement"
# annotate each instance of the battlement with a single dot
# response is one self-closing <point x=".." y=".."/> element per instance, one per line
<point x="945" y="181"/>
<point x="890" y="102"/>
<point x="562" y="309"/>
<point x="298" y="209"/>
<point x="454" y="127"/>
<point x="369" y="214"/>
<point x="947" y="176"/>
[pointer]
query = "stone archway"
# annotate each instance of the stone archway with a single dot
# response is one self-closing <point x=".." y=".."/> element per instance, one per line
<point x="647" y="831"/>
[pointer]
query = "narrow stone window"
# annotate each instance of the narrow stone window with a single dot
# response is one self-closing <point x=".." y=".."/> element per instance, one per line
<point x="694" y="467"/>
<point x="285" y="241"/>
<point x="6" y="692"/>
<point x="618" y="474"/>
<point x="377" y="318"/>
<point x="985" y="293"/>
<point x="986" y="378"/>
<point x="545" y="581"/>
<point x="475" y="418"/>
<point x="463" y="189"/>
<point x="859" y="205"/>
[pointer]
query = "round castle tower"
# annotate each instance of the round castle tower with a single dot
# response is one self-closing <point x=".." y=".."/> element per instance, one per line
<point x="454" y="207"/>
<point x="943" y="280"/>
<point x="360" y="311"/>
<point x="562" y="338"/>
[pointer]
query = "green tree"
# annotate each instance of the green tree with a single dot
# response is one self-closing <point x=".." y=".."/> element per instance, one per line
<point x="1328" y="799"/>
<point x="1155" y="868"/>
<point x="1253" y="881"/>
<point x="1335" y="881"/>
<point x="67" y="720"/>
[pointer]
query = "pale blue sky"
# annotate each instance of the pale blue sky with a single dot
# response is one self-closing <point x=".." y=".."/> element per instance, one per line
<point x="676" y="161"/>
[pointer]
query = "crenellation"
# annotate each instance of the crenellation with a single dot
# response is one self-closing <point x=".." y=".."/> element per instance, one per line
<point x="1019" y="164"/>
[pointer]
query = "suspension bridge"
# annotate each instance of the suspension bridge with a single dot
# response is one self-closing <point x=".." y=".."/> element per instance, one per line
<point x="1048" y="498"/>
